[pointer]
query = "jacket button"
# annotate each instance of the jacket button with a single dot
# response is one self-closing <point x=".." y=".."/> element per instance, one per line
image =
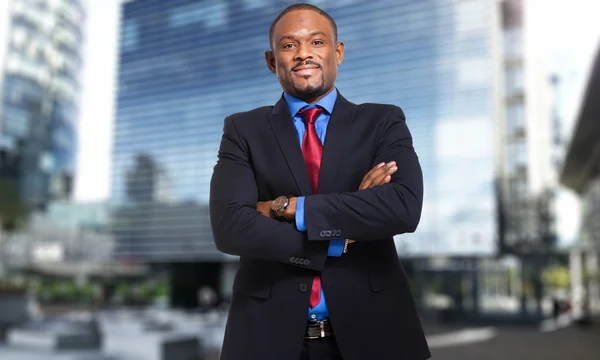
<point x="303" y="288"/>
<point x="328" y="233"/>
<point x="306" y="262"/>
<point x="338" y="233"/>
<point x="292" y="259"/>
<point x="322" y="234"/>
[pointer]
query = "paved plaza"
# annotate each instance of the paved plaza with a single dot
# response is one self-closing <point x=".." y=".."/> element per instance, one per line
<point x="571" y="343"/>
<point x="127" y="338"/>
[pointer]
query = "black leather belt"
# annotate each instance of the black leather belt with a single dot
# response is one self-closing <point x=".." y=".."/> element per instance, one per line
<point x="318" y="329"/>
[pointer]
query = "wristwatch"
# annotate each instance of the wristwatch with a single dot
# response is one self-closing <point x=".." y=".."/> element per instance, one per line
<point x="280" y="205"/>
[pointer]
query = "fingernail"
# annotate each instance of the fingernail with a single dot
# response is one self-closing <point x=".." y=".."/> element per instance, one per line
<point x="391" y="163"/>
<point x="393" y="169"/>
<point x="388" y="178"/>
<point x="380" y="165"/>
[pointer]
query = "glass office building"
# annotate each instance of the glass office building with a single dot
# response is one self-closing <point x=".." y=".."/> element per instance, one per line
<point x="41" y="62"/>
<point x="186" y="65"/>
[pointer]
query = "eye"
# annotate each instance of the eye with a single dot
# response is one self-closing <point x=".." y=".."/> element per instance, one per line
<point x="288" y="46"/>
<point x="318" y="42"/>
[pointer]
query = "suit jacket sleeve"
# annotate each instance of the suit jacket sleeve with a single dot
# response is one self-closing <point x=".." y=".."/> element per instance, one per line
<point x="238" y="229"/>
<point x="379" y="212"/>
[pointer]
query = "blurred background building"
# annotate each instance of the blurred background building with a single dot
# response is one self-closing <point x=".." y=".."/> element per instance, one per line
<point x="40" y="47"/>
<point x="581" y="172"/>
<point x="179" y="78"/>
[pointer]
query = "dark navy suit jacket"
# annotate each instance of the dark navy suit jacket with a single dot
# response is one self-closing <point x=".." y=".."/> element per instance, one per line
<point x="370" y="304"/>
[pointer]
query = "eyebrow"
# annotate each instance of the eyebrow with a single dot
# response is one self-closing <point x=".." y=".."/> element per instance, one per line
<point x="292" y="37"/>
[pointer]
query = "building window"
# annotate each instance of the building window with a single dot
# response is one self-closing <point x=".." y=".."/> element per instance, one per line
<point x="129" y="36"/>
<point x="517" y="157"/>
<point x="515" y="118"/>
<point x="518" y="188"/>
<point x="211" y="13"/>
<point x="16" y="121"/>
<point x="513" y="43"/>
<point x="513" y="81"/>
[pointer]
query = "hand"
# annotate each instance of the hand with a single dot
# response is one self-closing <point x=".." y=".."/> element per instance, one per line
<point x="264" y="207"/>
<point x="378" y="175"/>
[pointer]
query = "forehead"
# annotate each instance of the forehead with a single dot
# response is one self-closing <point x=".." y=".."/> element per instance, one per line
<point x="302" y="21"/>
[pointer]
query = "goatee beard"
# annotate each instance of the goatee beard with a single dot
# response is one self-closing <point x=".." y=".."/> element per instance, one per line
<point x="310" y="92"/>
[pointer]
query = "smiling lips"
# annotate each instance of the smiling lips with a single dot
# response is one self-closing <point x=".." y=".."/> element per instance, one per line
<point x="305" y="70"/>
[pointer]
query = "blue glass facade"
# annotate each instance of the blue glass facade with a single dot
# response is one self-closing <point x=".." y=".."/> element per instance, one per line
<point x="186" y="65"/>
<point x="40" y="92"/>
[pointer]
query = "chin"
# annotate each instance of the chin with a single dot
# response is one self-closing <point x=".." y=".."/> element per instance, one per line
<point x="310" y="91"/>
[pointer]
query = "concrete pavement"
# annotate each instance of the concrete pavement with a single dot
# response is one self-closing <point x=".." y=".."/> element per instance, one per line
<point x="527" y="343"/>
<point x="569" y="342"/>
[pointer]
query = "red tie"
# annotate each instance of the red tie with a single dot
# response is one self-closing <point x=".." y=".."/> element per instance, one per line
<point x="312" y="149"/>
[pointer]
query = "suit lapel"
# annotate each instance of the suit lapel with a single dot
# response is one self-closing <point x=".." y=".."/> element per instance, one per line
<point x="282" y="125"/>
<point x="338" y="133"/>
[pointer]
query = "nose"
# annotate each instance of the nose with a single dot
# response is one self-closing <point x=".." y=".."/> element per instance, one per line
<point x="303" y="52"/>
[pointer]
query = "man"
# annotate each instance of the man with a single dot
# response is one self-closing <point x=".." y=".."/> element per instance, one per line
<point x="292" y="182"/>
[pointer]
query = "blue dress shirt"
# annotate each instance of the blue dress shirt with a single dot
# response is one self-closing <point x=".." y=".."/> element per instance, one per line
<point x="336" y="247"/>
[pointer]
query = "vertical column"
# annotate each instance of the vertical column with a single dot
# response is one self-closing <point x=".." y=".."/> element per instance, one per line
<point x="475" y="285"/>
<point x="523" y="282"/>
<point x="575" y="265"/>
<point x="227" y="278"/>
<point x="593" y="271"/>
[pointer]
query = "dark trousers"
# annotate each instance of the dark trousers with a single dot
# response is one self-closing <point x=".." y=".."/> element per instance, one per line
<point x="321" y="349"/>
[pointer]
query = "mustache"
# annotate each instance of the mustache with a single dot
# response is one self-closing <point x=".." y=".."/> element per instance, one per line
<point x="304" y="63"/>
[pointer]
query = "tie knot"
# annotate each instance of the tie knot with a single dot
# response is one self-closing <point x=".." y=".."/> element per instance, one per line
<point x="310" y="115"/>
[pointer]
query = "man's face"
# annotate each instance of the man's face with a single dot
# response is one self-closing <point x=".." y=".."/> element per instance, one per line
<point x="305" y="55"/>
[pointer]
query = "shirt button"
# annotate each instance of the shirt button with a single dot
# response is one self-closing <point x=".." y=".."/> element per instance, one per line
<point x="313" y="316"/>
<point x="303" y="288"/>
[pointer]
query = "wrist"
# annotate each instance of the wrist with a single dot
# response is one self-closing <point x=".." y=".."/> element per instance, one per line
<point x="290" y="211"/>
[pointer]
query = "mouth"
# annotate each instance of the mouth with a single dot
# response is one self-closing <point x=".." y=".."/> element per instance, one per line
<point x="305" y="70"/>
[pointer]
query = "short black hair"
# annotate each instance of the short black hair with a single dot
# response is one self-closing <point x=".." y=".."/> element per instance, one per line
<point x="302" y="6"/>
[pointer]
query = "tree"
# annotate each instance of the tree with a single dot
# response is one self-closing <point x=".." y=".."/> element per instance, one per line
<point x="14" y="213"/>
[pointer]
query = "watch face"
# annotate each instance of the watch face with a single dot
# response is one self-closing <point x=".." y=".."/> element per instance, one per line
<point x="280" y="204"/>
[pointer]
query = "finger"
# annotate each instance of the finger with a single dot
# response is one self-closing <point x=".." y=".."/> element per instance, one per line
<point x="385" y="177"/>
<point x="373" y="173"/>
<point x="351" y="241"/>
<point x="378" y="175"/>
<point x="370" y="172"/>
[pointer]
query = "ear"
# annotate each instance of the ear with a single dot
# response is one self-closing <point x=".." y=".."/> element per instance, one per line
<point x="339" y="53"/>
<point x="270" y="59"/>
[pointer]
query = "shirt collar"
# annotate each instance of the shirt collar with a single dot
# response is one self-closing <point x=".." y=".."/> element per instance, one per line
<point x="295" y="104"/>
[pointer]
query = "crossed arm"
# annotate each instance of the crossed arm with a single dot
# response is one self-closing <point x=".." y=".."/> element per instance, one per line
<point x="372" y="213"/>
<point x="380" y="174"/>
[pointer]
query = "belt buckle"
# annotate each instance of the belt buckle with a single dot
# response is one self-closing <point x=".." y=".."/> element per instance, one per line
<point x="321" y="324"/>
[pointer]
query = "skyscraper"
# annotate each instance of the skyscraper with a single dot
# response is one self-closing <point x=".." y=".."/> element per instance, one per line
<point x="40" y="61"/>
<point x="528" y="173"/>
<point x="185" y="66"/>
